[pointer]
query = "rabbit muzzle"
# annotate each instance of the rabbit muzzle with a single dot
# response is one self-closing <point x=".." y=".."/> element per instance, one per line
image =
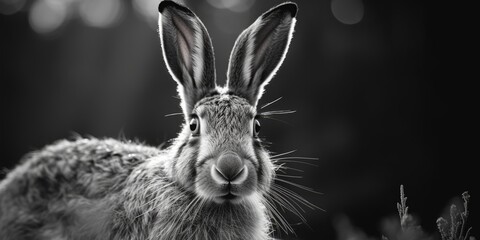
<point x="229" y="168"/>
<point x="229" y="178"/>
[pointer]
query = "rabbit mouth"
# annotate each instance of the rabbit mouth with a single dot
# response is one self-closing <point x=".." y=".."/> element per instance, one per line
<point x="228" y="198"/>
<point x="217" y="189"/>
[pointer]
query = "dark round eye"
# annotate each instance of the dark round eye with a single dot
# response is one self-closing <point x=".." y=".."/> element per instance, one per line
<point x="195" y="125"/>
<point x="256" y="127"/>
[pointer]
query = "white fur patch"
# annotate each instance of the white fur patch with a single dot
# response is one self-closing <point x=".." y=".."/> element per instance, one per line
<point x="224" y="97"/>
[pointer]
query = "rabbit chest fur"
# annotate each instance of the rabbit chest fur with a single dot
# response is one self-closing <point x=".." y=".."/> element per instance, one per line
<point x="211" y="183"/>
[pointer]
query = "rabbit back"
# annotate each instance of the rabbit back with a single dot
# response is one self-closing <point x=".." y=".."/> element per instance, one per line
<point x="55" y="189"/>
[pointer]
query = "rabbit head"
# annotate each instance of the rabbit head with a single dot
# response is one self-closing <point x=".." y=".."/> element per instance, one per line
<point x="218" y="155"/>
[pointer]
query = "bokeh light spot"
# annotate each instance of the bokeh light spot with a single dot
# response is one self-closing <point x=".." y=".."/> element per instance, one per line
<point x="100" y="13"/>
<point x="232" y="5"/>
<point x="348" y="11"/>
<point x="8" y="7"/>
<point x="149" y="8"/>
<point x="47" y="15"/>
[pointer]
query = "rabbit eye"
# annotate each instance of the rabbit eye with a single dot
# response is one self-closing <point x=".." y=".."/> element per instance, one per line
<point x="256" y="127"/>
<point x="195" y="125"/>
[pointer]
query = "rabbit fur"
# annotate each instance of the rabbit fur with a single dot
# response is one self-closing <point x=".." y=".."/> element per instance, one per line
<point x="89" y="188"/>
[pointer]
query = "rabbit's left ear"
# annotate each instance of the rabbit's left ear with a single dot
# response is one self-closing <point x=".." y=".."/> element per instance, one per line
<point x="259" y="51"/>
<point x="188" y="53"/>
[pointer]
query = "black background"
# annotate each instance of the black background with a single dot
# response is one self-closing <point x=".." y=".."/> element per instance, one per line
<point x="387" y="101"/>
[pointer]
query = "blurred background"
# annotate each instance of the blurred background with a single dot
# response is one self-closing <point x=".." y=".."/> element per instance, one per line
<point x="382" y="89"/>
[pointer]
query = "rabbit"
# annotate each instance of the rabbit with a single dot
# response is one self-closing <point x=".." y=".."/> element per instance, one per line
<point x="211" y="183"/>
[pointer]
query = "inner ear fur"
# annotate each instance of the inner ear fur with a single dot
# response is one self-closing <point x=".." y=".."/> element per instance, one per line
<point x="259" y="51"/>
<point x="188" y="53"/>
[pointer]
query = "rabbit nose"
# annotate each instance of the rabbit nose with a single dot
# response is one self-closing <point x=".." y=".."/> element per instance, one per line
<point x="229" y="168"/>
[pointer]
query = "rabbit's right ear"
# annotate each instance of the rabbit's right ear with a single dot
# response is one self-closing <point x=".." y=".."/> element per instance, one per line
<point x="188" y="53"/>
<point x="259" y="52"/>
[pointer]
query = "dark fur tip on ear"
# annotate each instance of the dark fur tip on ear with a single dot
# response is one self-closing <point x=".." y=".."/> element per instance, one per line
<point x="290" y="7"/>
<point x="167" y="3"/>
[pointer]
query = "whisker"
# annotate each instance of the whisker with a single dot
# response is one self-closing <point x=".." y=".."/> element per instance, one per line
<point x="299" y="186"/>
<point x="282" y="154"/>
<point x="273" y="216"/>
<point x="296" y="212"/>
<point x="173" y="114"/>
<point x="293" y="209"/>
<point x="292" y="195"/>
<point x="301" y="158"/>
<point x="265" y="142"/>
<point x="278" y="120"/>
<point x="179" y="217"/>
<point x="281" y="201"/>
<point x="200" y="202"/>
<point x="270" y="103"/>
<point x="278" y="218"/>
<point x="192" y="207"/>
<point x="278" y="169"/>
<point x="282" y="167"/>
<point x="296" y="161"/>
<point x="289" y="176"/>
<point x="276" y="112"/>
<point x="297" y="197"/>
<point x="197" y="181"/>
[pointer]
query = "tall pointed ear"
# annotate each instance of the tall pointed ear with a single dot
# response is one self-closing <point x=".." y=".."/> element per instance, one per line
<point x="188" y="53"/>
<point x="259" y="51"/>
